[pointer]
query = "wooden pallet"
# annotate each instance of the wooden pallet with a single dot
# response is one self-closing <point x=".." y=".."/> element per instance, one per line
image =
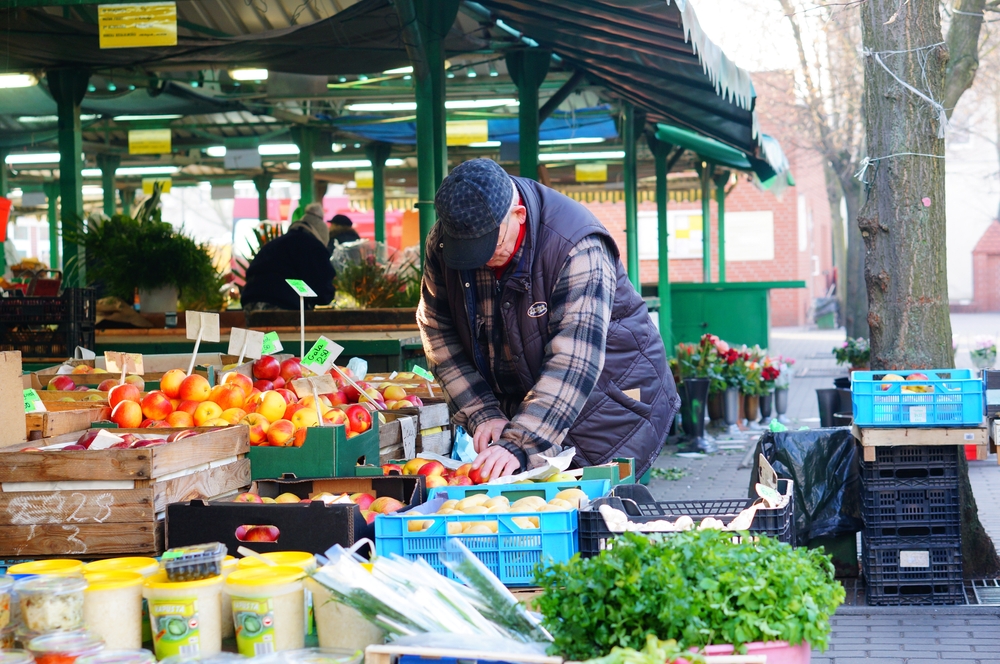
<point x="921" y="436"/>
<point x="106" y="502"/>
<point x="388" y="654"/>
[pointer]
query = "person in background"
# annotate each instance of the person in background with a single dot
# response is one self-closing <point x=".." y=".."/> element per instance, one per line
<point x="298" y="254"/>
<point x="341" y="232"/>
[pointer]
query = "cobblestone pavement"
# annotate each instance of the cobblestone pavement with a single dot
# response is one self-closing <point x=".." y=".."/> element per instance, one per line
<point x="887" y="635"/>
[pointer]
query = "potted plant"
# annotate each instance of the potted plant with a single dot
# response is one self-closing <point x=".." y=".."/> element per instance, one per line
<point x="984" y="352"/>
<point x="769" y="373"/>
<point x="125" y="254"/>
<point x="692" y="369"/>
<point x="734" y="373"/>
<point x="855" y="353"/>
<point x="699" y="588"/>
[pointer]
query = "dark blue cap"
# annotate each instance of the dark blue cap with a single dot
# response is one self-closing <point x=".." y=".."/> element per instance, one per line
<point x="471" y="204"/>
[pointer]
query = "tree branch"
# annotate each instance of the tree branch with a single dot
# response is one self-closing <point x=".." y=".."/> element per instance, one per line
<point x="963" y="50"/>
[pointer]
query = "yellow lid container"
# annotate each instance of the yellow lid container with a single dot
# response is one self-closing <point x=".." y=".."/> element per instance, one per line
<point x="53" y="567"/>
<point x="112" y="608"/>
<point x="253" y="581"/>
<point x="138" y="564"/>
<point x="99" y="581"/>
<point x="301" y="559"/>
<point x="186" y="616"/>
<point x="268" y="608"/>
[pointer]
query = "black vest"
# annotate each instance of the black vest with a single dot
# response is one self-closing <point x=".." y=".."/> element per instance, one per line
<point x="611" y="423"/>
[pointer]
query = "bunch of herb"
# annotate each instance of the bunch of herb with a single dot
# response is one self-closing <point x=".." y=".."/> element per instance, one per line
<point x="654" y="652"/>
<point x="698" y="587"/>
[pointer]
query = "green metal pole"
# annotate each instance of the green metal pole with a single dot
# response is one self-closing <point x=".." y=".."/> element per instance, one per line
<point x="68" y="87"/>
<point x="108" y="163"/>
<point x="127" y="194"/>
<point x="425" y="159"/>
<point x="305" y="138"/>
<point x="435" y="65"/>
<point x="631" y="195"/>
<point x="720" y="200"/>
<point x="706" y="221"/>
<point x="660" y="151"/>
<point x="263" y="183"/>
<point x="52" y="194"/>
<point x="528" y="68"/>
<point x="377" y="154"/>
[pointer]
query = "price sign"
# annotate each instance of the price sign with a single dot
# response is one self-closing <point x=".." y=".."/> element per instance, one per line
<point x="423" y="373"/>
<point x="33" y="402"/>
<point x="202" y="325"/>
<point x="246" y="343"/>
<point x="271" y="344"/>
<point x="322" y="355"/>
<point x="123" y="362"/>
<point x="301" y="288"/>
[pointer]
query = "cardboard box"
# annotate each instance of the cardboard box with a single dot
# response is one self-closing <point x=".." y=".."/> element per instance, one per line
<point x="314" y="527"/>
<point x="326" y="452"/>
<point x="109" y="502"/>
<point x="12" y="427"/>
<point x="617" y="471"/>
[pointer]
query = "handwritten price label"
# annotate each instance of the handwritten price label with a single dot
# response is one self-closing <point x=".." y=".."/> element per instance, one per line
<point x="301" y="288"/>
<point x="322" y="355"/>
<point x="271" y="344"/>
<point x="423" y="373"/>
<point x="33" y="402"/>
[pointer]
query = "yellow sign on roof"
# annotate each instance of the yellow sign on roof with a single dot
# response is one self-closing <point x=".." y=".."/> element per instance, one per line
<point x="138" y="25"/>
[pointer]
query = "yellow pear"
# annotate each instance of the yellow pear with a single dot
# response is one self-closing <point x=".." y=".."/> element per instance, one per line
<point x="475" y="509"/>
<point x="524" y="522"/>
<point x="571" y="496"/>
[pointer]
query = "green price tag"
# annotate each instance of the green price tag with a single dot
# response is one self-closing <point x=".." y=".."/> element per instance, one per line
<point x="322" y="355"/>
<point x="423" y="373"/>
<point x="301" y="288"/>
<point x="33" y="402"/>
<point x="271" y="344"/>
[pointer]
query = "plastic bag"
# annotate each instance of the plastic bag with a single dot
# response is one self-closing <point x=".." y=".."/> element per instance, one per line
<point x="826" y="469"/>
<point x="464" y="449"/>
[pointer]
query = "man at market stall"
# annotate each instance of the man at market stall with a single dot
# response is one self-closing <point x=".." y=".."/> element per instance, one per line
<point x="529" y="321"/>
<point x="298" y="254"/>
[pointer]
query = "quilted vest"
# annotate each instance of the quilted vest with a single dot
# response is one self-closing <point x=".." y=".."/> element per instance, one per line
<point x="611" y="424"/>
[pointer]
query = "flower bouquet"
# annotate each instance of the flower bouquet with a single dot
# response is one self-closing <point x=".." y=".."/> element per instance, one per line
<point x="984" y="352"/>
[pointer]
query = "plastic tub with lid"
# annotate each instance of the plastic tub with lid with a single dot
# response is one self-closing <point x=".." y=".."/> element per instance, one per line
<point x="139" y="564"/>
<point x="313" y="656"/>
<point x="268" y="609"/>
<point x="301" y="559"/>
<point x="6" y="588"/>
<point x="112" y="608"/>
<point x="221" y="658"/>
<point x="54" y="567"/>
<point x="229" y="565"/>
<point x="64" y="647"/>
<point x="50" y="603"/>
<point x="119" y="657"/>
<point x="186" y="616"/>
<point x="8" y="656"/>
<point x="8" y="637"/>
<point x="338" y="625"/>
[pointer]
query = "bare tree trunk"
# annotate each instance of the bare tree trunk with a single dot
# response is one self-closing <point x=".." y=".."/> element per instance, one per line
<point x="856" y="315"/>
<point x="839" y="239"/>
<point x="903" y="218"/>
<point x="963" y="50"/>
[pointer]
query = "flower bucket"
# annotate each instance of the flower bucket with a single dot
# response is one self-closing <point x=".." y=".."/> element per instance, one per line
<point x="777" y="652"/>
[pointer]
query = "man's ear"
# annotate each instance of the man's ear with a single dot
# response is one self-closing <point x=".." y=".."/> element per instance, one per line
<point x="521" y="213"/>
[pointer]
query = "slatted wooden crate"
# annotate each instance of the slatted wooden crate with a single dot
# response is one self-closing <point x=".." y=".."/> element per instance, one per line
<point x="434" y="430"/>
<point x="62" y="417"/>
<point x="106" y="502"/>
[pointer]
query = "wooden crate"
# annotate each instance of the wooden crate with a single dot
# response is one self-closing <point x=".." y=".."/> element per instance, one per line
<point x="921" y="436"/>
<point x="434" y="430"/>
<point x="397" y="437"/>
<point x="108" y="502"/>
<point x="64" y="417"/>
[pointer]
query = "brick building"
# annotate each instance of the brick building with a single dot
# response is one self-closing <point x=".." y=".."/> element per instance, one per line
<point x="986" y="271"/>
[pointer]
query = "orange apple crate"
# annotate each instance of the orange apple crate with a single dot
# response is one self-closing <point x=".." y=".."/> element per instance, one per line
<point x="96" y="503"/>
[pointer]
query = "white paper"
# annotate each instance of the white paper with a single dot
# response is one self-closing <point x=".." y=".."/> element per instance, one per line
<point x="205" y="322"/>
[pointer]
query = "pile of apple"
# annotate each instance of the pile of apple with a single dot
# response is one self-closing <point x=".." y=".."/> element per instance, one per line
<point x="436" y="474"/>
<point x="567" y="499"/>
<point x="369" y="504"/>
<point x="127" y="441"/>
<point x="63" y="383"/>
<point x="908" y="389"/>
<point x="269" y="375"/>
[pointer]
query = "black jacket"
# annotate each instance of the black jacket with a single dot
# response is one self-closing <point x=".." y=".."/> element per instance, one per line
<point x="349" y="235"/>
<point x="295" y="255"/>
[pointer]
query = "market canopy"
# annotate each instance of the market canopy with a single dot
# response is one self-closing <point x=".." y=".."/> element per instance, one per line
<point x="767" y="170"/>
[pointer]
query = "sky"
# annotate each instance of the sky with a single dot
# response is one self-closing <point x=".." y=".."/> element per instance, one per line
<point x="753" y="33"/>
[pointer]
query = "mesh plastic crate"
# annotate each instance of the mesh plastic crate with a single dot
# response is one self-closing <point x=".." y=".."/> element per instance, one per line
<point x="912" y="466"/>
<point x="919" y="570"/>
<point x="949" y="397"/>
<point x="636" y="501"/>
<point x="593" y="488"/>
<point x="511" y="553"/>
<point x="76" y="305"/>
<point x="911" y="512"/>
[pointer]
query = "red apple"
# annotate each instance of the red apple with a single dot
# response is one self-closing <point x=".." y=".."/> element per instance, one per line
<point x="71" y="448"/>
<point x="279" y="383"/>
<point x="391" y="468"/>
<point x="181" y="434"/>
<point x="263" y="385"/>
<point x="338" y="398"/>
<point x="88" y="437"/>
<point x="431" y="468"/>
<point x="435" y="481"/>
<point x="360" y="419"/>
<point x="61" y="383"/>
<point x="363" y="500"/>
<point x="259" y="534"/>
<point x="291" y="369"/>
<point x="477" y="476"/>
<point x="266" y="368"/>
<point x="386" y="505"/>
<point x="287" y="395"/>
<point x="107" y="384"/>
<point x="123" y="392"/>
<point x="460" y="480"/>
<point x="369" y="516"/>
<point x="247" y="498"/>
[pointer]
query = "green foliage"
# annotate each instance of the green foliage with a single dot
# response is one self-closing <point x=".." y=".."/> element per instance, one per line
<point x="125" y="253"/>
<point x="854" y="352"/>
<point x="698" y="587"/>
<point x="671" y="474"/>
<point x="371" y="284"/>
<point x="654" y="652"/>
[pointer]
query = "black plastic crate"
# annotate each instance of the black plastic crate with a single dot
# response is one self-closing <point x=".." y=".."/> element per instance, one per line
<point x="75" y="305"/>
<point x="912" y="570"/>
<point x="640" y="506"/>
<point x="46" y="343"/>
<point x="912" y="466"/>
<point x="911" y="512"/>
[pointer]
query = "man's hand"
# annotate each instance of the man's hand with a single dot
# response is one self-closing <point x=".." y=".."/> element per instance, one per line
<point x="488" y="432"/>
<point x="496" y="461"/>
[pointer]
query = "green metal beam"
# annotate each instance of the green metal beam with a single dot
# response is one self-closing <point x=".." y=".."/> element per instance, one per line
<point x="127" y="194"/>
<point x="52" y="194"/>
<point x="705" y="170"/>
<point x="660" y="152"/>
<point x="68" y="87"/>
<point x="631" y="194"/>
<point x="108" y="163"/>
<point x="561" y="95"/>
<point x="305" y="138"/>
<point x="377" y="154"/>
<point x="263" y="183"/>
<point x="528" y="68"/>
<point x="720" y="180"/>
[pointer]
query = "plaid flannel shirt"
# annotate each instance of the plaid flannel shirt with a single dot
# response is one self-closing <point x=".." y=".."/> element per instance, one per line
<point x="579" y="314"/>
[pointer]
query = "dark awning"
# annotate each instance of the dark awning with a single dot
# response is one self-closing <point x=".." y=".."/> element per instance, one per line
<point x="650" y="52"/>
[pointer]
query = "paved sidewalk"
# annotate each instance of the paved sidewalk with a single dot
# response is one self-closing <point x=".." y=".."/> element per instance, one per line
<point x="888" y="635"/>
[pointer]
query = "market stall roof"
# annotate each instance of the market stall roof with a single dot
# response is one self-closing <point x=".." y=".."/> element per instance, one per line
<point x="650" y="52"/>
<point x="768" y="170"/>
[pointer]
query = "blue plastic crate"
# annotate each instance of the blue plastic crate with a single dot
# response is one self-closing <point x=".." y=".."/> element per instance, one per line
<point x="511" y="553"/>
<point x="954" y="398"/>
<point x="593" y="488"/>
